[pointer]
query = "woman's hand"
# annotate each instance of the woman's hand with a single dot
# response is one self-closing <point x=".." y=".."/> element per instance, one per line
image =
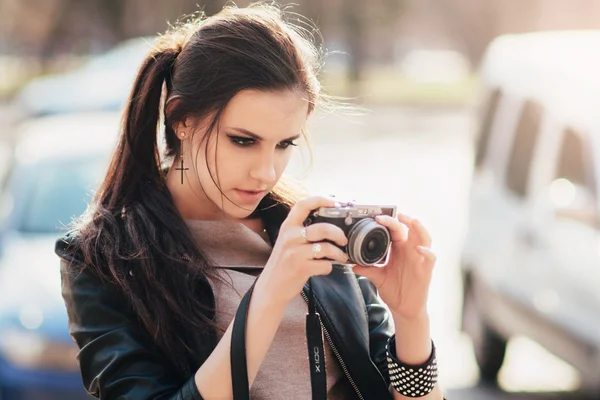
<point x="294" y="259"/>
<point x="403" y="283"/>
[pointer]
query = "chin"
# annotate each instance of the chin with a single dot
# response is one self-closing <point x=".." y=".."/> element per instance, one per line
<point x="236" y="212"/>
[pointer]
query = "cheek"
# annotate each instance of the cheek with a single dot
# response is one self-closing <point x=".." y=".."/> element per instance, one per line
<point x="228" y="163"/>
<point x="207" y="160"/>
<point x="282" y="160"/>
<point x="229" y="168"/>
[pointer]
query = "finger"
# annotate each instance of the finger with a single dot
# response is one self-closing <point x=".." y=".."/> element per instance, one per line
<point x="405" y="219"/>
<point x="320" y="267"/>
<point x="397" y="231"/>
<point x="302" y="209"/>
<point x="324" y="231"/>
<point x="430" y="257"/>
<point x="328" y="251"/>
<point x="422" y="233"/>
<point x="423" y="236"/>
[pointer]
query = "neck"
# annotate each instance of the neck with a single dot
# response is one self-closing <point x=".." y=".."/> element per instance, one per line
<point x="191" y="204"/>
<point x="194" y="205"/>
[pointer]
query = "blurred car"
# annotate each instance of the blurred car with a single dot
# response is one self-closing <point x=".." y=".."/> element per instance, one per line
<point x="531" y="257"/>
<point x="102" y="84"/>
<point x="57" y="163"/>
<point x="434" y="66"/>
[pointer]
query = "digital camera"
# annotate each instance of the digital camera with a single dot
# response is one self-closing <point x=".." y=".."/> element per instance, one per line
<point x="368" y="241"/>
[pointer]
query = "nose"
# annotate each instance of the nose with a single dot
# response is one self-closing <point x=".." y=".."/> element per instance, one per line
<point x="264" y="168"/>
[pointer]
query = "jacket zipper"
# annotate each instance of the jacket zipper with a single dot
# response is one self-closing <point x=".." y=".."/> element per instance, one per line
<point x="337" y="355"/>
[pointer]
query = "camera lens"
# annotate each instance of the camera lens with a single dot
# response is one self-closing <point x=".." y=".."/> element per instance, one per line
<point x="372" y="245"/>
<point x="368" y="242"/>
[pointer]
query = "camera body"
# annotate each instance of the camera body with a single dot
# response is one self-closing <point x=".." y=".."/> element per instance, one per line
<point x="368" y="241"/>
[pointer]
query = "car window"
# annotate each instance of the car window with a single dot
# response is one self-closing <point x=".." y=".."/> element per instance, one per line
<point x="573" y="161"/>
<point x="523" y="146"/>
<point x="55" y="192"/>
<point x="129" y="54"/>
<point x="485" y="129"/>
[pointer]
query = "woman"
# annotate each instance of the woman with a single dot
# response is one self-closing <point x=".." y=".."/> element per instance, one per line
<point x="155" y="270"/>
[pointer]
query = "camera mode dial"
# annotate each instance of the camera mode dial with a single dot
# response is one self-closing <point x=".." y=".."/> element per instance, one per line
<point x="348" y="219"/>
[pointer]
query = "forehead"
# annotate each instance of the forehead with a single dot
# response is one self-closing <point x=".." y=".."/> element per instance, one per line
<point x="266" y="113"/>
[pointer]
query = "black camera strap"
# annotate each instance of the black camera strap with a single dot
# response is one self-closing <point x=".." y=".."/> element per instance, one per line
<point x="316" y="355"/>
<point x="237" y="356"/>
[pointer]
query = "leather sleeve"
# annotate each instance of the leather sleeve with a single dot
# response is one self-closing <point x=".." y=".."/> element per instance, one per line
<point x="118" y="358"/>
<point x="381" y="325"/>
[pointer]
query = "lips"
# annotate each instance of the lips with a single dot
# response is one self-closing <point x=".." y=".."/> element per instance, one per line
<point x="251" y="195"/>
<point x="251" y="191"/>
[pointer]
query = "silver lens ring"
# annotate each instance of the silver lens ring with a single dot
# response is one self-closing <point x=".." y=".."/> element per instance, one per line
<point x="357" y="236"/>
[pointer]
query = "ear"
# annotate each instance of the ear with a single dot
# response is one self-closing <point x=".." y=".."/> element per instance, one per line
<point x="183" y="127"/>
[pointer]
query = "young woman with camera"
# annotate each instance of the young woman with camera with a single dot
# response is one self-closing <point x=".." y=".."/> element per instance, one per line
<point x="154" y="271"/>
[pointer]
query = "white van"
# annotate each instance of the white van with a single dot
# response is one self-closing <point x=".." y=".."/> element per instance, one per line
<point x="531" y="256"/>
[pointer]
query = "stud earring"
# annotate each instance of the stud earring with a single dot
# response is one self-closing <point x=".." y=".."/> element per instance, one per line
<point x="182" y="134"/>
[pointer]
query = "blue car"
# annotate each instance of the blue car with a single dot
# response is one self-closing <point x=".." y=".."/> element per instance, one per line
<point x="107" y="79"/>
<point x="58" y="162"/>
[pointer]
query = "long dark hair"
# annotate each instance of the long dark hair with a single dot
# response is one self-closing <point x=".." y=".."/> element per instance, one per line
<point x="132" y="235"/>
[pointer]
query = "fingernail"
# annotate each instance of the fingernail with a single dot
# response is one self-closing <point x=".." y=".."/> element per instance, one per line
<point x="337" y="204"/>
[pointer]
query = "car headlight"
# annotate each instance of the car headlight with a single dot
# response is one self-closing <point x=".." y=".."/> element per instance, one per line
<point x="30" y="350"/>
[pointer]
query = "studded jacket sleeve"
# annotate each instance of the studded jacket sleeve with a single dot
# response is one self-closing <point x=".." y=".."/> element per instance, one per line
<point x="381" y="326"/>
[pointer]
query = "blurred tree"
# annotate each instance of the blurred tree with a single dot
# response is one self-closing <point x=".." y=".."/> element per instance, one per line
<point x="361" y="21"/>
<point x="314" y="10"/>
<point x="316" y="13"/>
<point x="52" y="27"/>
<point x="57" y="28"/>
<point x="353" y="22"/>
<point x="209" y="7"/>
<point x="112" y="14"/>
<point x="475" y="23"/>
<point x="66" y="23"/>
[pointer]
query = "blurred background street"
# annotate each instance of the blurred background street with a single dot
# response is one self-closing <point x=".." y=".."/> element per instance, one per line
<point x="421" y="160"/>
<point x="443" y="128"/>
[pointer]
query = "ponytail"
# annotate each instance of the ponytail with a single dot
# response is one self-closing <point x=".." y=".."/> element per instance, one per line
<point x="137" y="159"/>
<point x="118" y="236"/>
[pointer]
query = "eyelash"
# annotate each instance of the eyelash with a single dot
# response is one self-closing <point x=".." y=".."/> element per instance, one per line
<point x="246" y="142"/>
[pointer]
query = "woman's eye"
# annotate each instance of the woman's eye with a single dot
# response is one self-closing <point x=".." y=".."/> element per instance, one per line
<point x="287" y="143"/>
<point x="242" y="141"/>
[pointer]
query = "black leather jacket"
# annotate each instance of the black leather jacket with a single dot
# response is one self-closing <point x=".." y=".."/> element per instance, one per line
<point x="119" y="360"/>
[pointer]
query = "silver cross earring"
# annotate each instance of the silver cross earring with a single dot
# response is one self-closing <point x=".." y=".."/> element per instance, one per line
<point x="182" y="168"/>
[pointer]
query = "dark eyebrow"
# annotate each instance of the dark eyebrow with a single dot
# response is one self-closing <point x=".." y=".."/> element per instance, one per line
<point x="257" y="137"/>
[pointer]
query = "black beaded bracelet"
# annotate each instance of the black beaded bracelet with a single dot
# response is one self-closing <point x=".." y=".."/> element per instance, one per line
<point x="411" y="380"/>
